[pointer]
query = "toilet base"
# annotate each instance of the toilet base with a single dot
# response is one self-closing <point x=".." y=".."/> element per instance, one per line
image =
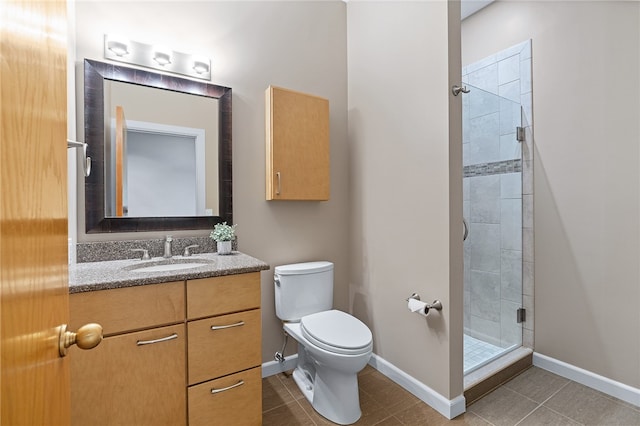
<point x="329" y="381"/>
<point x="305" y="385"/>
<point x="333" y="396"/>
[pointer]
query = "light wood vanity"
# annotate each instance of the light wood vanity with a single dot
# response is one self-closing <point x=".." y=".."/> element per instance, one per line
<point x="176" y="353"/>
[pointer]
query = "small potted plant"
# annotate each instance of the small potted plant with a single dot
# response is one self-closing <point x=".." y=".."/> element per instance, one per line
<point x="223" y="235"/>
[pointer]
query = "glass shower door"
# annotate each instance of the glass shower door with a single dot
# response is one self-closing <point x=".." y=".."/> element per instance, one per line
<point x="492" y="160"/>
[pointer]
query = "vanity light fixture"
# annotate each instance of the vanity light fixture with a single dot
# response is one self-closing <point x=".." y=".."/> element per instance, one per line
<point x="200" y="66"/>
<point x="118" y="46"/>
<point x="159" y="58"/>
<point x="162" y="56"/>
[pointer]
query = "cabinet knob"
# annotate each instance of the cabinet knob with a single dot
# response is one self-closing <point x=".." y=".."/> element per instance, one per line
<point x="87" y="337"/>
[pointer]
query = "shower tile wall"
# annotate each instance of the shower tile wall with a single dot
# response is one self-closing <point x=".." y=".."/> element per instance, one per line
<point x="496" y="172"/>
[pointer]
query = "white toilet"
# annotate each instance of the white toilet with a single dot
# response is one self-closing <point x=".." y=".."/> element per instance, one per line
<point x="333" y="346"/>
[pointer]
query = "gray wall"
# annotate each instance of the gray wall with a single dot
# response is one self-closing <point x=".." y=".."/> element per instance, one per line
<point x="298" y="45"/>
<point x="398" y="172"/>
<point x="406" y="178"/>
<point x="586" y="104"/>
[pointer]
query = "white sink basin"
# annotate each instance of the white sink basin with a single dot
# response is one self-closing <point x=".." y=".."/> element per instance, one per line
<point x="168" y="265"/>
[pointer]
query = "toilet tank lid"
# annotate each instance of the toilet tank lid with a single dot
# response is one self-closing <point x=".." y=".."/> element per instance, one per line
<point x="304" y="268"/>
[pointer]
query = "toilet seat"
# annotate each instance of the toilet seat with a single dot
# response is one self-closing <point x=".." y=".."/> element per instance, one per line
<point x="337" y="332"/>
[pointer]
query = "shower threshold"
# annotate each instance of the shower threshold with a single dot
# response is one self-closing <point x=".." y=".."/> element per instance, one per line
<point x="494" y="373"/>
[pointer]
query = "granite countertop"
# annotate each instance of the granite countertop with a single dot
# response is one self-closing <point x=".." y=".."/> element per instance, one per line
<point x="106" y="275"/>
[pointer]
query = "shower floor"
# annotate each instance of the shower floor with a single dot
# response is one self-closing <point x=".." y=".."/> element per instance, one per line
<point x="478" y="353"/>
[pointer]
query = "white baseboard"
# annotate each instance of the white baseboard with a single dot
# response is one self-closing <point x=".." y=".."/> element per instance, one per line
<point x="603" y="384"/>
<point x="448" y="408"/>
<point x="272" y="368"/>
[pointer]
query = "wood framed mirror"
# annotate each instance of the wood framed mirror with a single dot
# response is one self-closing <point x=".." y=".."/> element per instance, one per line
<point x="97" y="76"/>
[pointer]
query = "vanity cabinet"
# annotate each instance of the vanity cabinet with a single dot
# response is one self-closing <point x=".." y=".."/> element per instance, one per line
<point x="224" y="350"/>
<point x="173" y="353"/>
<point x="137" y="374"/>
<point x="297" y="145"/>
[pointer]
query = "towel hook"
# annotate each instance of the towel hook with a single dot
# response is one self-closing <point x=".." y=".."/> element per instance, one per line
<point x="86" y="163"/>
<point x="457" y="89"/>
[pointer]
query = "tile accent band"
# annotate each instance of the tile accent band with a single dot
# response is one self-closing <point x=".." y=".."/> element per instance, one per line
<point x="496" y="168"/>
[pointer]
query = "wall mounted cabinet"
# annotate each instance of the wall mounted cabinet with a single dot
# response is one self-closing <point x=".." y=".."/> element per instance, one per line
<point x="297" y="145"/>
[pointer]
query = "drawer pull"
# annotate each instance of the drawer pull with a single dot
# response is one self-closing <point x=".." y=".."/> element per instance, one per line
<point x="214" y="390"/>
<point x="222" y="327"/>
<point x="151" y="342"/>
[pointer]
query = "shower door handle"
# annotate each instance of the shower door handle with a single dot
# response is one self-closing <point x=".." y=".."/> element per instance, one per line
<point x="466" y="230"/>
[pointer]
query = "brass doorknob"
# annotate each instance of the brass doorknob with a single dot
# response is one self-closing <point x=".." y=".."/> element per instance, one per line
<point x="87" y="337"/>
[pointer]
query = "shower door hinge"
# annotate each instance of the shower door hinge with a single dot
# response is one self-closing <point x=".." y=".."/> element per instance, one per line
<point x="521" y="315"/>
<point x="520" y="134"/>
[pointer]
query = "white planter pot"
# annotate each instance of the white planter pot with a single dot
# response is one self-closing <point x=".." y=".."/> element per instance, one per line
<point x="223" y="247"/>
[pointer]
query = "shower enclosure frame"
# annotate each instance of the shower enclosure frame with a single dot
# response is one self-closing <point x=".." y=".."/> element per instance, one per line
<point x="507" y="75"/>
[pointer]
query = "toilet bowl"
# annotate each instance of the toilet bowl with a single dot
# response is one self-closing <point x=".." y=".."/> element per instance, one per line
<point x="333" y="346"/>
<point x="328" y="365"/>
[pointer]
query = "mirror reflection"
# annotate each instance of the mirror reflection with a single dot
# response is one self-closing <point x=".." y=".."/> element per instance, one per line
<point x="161" y="149"/>
<point x="159" y="160"/>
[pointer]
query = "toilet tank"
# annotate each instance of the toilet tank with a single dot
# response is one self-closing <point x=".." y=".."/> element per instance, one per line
<point x="302" y="289"/>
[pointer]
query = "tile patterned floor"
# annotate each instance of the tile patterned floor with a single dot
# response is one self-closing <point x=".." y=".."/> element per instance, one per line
<point x="535" y="397"/>
<point x="477" y="352"/>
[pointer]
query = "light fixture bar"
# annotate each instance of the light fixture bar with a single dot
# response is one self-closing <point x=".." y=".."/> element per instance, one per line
<point x="149" y="56"/>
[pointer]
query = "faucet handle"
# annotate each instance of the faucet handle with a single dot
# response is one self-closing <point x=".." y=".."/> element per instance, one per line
<point x="145" y="253"/>
<point x="169" y="238"/>
<point x="186" y="250"/>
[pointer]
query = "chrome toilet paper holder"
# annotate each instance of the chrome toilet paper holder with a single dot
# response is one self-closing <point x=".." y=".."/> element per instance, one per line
<point x="436" y="304"/>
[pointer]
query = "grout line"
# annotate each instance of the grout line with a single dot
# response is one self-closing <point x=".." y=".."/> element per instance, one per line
<point x="562" y="415"/>
<point x="541" y="404"/>
<point x="522" y="419"/>
<point x="486" y="420"/>
<point x="305" y="413"/>
<point x="387" y="418"/>
<point x="506" y="385"/>
<point x="271" y="409"/>
<point x="286" y="387"/>
<point x="280" y="405"/>
<point x="556" y="392"/>
<point x="519" y="394"/>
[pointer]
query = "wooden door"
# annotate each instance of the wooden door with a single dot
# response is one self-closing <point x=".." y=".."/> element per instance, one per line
<point x="121" y="162"/>
<point x="33" y="212"/>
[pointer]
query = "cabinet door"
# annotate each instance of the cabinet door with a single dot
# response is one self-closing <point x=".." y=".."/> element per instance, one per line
<point x="230" y="400"/>
<point x="297" y="129"/>
<point x="130" y="380"/>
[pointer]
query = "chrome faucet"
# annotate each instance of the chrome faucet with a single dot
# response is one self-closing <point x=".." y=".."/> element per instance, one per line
<point x="187" y="250"/>
<point x="167" y="247"/>
<point x="145" y="253"/>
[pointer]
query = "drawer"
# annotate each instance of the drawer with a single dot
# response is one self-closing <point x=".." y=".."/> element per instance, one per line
<point x="131" y="308"/>
<point x="219" y="402"/>
<point x="221" y="295"/>
<point x="235" y="346"/>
